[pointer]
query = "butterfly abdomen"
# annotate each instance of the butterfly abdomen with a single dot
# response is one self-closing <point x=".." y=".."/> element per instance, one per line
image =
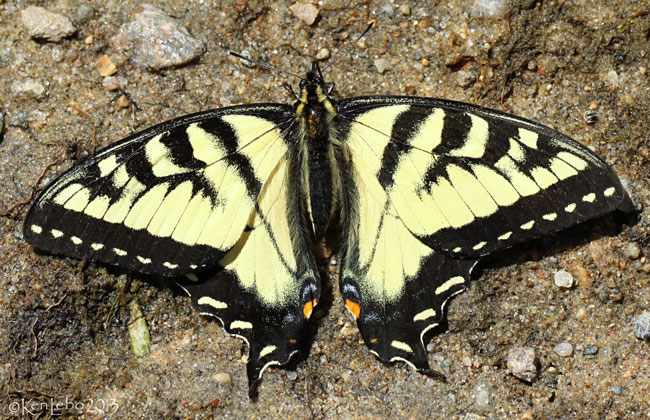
<point x="315" y="113"/>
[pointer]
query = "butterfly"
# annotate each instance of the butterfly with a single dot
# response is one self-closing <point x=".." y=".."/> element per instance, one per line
<point x="237" y="198"/>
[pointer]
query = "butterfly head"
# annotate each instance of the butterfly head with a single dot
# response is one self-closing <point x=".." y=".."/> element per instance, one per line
<point x="312" y="87"/>
<point x="313" y="92"/>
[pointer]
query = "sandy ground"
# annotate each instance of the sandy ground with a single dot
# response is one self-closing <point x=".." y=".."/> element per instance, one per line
<point x="552" y="61"/>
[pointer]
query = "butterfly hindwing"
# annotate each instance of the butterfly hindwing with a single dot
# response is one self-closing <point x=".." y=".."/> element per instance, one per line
<point x="393" y="321"/>
<point x="170" y="200"/>
<point x="269" y="282"/>
<point x="434" y="185"/>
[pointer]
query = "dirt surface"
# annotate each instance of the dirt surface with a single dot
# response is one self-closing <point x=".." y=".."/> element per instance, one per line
<point x="560" y="62"/>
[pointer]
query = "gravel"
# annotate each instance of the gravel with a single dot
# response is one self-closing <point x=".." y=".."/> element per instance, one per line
<point x="641" y="326"/>
<point x="156" y="41"/>
<point x="43" y="24"/>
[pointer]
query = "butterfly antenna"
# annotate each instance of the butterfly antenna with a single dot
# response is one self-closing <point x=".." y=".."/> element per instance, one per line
<point x="349" y="48"/>
<point x="264" y="65"/>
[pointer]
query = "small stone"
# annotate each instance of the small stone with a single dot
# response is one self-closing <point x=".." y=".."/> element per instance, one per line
<point x="82" y="14"/>
<point x="43" y="24"/>
<point x="632" y="251"/>
<point x="2" y="124"/>
<point x="472" y="416"/>
<point x="222" y="378"/>
<point x="617" y="390"/>
<point x="465" y="78"/>
<point x="123" y="102"/>
<point x="491" y="8"/>
<point x="563" y="279"/>
<point x="323" y="54"/>
<point x="382" y="65"/>
<point x="19" y="119"/>
<point x="105" y="66"/>
<point x="405" y="9"/>
<point x="388" y="9"/>
<point x="292" y="375"/>
<point x="482" y="393"/>
<point x="521" y="363"/>
<point x="612" y="79"/>
<point x="156" y="41"/>
<point x="111" y="83"/>
<point x="30" y="88"/>
<point x="641" y="326"/>
<point x="305" y="12"/>
<point x="590" y="350"/>
<point x="564" y="349"/>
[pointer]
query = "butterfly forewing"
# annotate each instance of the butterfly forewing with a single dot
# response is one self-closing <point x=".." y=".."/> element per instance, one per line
<point x="470" y="181"/>
<point x="170" y="200"/>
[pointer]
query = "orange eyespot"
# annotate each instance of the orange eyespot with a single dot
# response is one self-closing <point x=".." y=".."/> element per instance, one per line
<point x="309" y="306"/>
<point x="353" y="307"/>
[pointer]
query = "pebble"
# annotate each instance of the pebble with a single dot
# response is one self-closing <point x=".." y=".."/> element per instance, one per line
<point x="388" y="9"/>
<point x="222" y="378"/>
<point x="2" y="124"/>
<point x="641" y="326"/>
<point x="564" y="349"/>
<point x="292" y="375"/>
<point x="612" y="79"/>
<point x="472" y="416"/>
<point x="590" y="350"/>
<point x="521" y="363"/>
<point x="111" y="83"/>
<point x="563" y="279"/>
<point x="123" y="102"/>
<point x="491" y="8"/>
<point x="82" y="14"/>
<point x="305" y="12"/>
<point x="30" y="88"/>
<point x="482" y="395"/>
<point x="405" y="9"/>
<point x="105" y="66"/>
<point x="323" y="54"/>
<point x="632" y="251"/>
<point x="382" y="65"/>
<point x="465" y="78"/>
<point x="19" y="119"/>
<point x="617" y="390"/>
<point x="156" y="41"/>
<point x="43" y="24"/>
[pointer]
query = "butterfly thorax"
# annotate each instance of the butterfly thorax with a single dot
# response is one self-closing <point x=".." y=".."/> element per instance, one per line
<point x="315" y="113"/>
